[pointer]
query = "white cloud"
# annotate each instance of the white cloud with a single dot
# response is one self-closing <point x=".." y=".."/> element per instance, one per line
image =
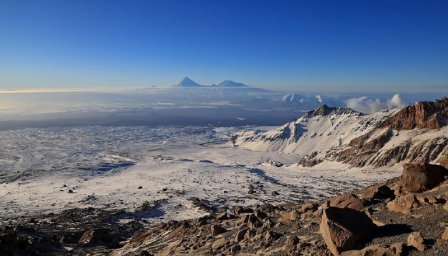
<point x="368" y="105"/>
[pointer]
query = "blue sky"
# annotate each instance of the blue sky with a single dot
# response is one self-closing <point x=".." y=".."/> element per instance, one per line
<point x="298" y="45"/>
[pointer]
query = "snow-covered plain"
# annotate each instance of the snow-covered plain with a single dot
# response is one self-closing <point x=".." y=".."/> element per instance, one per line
<point x="168" y="167"/>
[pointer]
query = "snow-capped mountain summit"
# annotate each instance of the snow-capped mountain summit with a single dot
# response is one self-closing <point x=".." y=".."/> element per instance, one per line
<point x="231" y="84"/>
<point x="187" y="83"/>
<point x="324" y="110"/>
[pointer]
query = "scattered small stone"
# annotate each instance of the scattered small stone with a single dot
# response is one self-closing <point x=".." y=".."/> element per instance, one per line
<point x="260" y="214"/>
<point x="445" y="234"/>
<point x="216" y="230"/>
<point x="235" y="249"/>
<point x="70" y="191"/>
<point x="377" y="250"/>
<point x="218" y="243"/>
<point x="416" y="240"/>
<point x="378" y="193"/>
<point x="348" y="201"/>
<point x="222" y="216"/>
<point x="97" y="236"/>
<point x="285" y="216"/>
<point x="308" y="206"/>
<point x="445" y="206"/>
<point x="253" y="222"/>
<point x="291" y="242"/>
<point x="140" y="187"/>
<point x="403" y="204"/>
<point x="240" y="235"/>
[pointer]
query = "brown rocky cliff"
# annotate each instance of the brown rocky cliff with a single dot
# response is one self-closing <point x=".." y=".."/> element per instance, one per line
<point x="432" y="115"/>
<point x="424" y="115"/>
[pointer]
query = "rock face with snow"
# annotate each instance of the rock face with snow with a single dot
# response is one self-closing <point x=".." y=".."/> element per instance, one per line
<point x="323" y="128"/>
<point x="415" y="134"/>
<point x="386" y="146"/>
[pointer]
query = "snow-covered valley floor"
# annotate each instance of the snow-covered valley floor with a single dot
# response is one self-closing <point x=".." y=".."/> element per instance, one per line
<point x="173" y="169"/>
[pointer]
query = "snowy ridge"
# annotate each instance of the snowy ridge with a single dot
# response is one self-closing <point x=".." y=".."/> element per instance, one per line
<point x="229" y="83"/>
<point x="323" y="128"/>
<point x="343" y="135"/>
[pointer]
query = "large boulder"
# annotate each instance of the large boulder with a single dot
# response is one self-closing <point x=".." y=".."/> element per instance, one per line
<point x="344" y="228"/>
<point x="422" y="177"/>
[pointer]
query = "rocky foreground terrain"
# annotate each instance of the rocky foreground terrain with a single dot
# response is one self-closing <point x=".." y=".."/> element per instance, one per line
<point x="402" y="216"/>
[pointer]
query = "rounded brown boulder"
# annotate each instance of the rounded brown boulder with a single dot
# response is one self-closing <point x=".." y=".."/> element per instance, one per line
<point x="422" y="177"/>
<point x="344" y="228"/>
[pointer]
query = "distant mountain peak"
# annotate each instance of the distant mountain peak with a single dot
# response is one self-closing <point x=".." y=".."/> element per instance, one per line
<point x="288" y="98"/>
<point x="325" y="110"/>
<point x="230" y="83"/>
<point x="187" y="82"/>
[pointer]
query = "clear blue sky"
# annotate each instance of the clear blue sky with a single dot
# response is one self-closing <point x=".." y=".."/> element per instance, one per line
<point x="277" y="44"/>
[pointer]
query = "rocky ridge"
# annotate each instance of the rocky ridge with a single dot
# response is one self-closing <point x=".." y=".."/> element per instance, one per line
<point x="425" y="138"/>
<point x="416" y="134"/>
<point x="317" y="130"/>
<point x="431" y="115"/>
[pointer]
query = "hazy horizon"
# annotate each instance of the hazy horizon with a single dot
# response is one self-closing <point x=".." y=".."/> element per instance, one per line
<point x="282" y="45"/>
